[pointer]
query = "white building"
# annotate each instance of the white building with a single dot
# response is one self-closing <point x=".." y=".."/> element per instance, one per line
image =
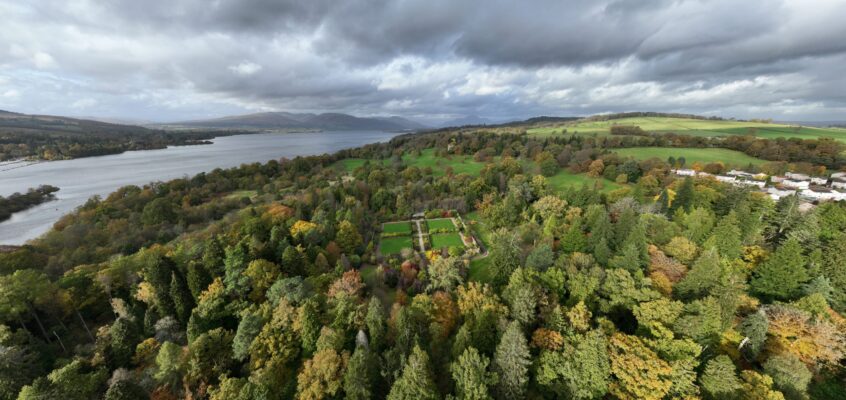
<point x="797" y="177"/>
<point x="794" y="184"/>
<point x="839" y="175"/>
<point x="736" y="172"/>
<point x="839" y="183"/>
<point x="726" y="179"/>
<point x="819" y="181"/>
<point x="823" y="194"/>
<point x="759" y="184"/>
<point x="776" y="193"/>
<point x="684" y="172"/>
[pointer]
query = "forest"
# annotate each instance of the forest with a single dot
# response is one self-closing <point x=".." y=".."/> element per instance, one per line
<point x="265" y="281"/>
<point x="19" y="202"/>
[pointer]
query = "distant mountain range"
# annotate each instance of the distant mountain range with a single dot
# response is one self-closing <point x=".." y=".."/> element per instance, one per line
<point x="468" y="120"/>
<point x="285" y="120"/>
<point x="51" y="124"/>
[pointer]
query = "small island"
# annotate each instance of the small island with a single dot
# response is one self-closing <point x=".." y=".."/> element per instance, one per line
<point x="22" y="201"/>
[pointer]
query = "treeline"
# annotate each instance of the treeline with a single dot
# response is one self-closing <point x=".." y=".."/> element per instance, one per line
<point x="264" y="282"/>
<point x="19" y="202"/>
<point x="608" y="117"/>
<point x="16" y="144"/>
<point x="822" y="151"/>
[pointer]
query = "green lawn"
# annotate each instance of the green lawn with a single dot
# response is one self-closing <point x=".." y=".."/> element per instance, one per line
<point x="394" y="245"/>
<point x="691" y="155"/>
<point x="397" y="227"/>
<point x="565" y="180"/>
<point x="694" y="127"/>
<point x="441" y="240"/>
<point x="480" y="270"/>
<point x="441" y="224"/>
<point x="426" y="158"/>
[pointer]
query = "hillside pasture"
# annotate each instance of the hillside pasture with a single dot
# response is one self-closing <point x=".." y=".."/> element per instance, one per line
<point x="693" y="127"/>
<point x="691" y="155"/>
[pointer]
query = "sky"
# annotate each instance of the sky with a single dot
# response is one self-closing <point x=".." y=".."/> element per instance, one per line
<point x="428" y="60"/>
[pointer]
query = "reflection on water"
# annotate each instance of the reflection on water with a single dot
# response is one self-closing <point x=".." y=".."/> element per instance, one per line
<point x="82" y="178"/>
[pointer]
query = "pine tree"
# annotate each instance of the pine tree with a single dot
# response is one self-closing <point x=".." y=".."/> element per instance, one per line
<point x="601" y="252"/>
<point x="684" y="196"/>
<point x="416" y="381"/>
<point x="375" y="321"/>
<point x="471" y="376"/>
<point x="703" y="277"/>
<point x="357" y="379"/>
<point x="782" y="275"/>
<point x="198" y="279"/>
<point x="183" y="303"/>
<point x="719" y="379"/>
<point x="726" y="238"/>
<point x="574" y="239"/>
<point x="511" y="363"/>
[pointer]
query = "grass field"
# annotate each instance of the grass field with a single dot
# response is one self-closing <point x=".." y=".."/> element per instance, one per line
<point x="480" y="270"/>
<point x="394" y="245"/>
<point x="694" y="127"/>
<point x="427" y="158"/>
<point x="397" y="227"/>
<point x="441" y="240"/>
<point x="691" y="155"/>
<point x="441" y="224"/>
<point x="565" y="180"/>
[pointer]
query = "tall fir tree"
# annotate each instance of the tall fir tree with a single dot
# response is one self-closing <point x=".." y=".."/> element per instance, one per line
<point x="511" y="363"/>
<point x="781" y="276"/>
<point x="416" y="381"/>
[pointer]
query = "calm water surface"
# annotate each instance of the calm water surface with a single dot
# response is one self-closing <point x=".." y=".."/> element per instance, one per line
<point x="82" y="178"/>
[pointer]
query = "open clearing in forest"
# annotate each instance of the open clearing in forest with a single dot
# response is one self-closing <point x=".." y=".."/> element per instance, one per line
<point x="694" y="127"/>
<point x="691" y="155"/>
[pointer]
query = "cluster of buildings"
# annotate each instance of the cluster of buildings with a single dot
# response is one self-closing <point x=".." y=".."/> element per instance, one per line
<point x="810" y="188"/>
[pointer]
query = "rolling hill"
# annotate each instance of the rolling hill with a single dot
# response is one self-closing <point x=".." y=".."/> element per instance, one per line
<point x="688" y="125"/>
<point x="285" y="120"/>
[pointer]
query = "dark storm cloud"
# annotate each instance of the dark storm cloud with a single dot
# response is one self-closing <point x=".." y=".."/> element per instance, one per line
<point x="425" y="58"/>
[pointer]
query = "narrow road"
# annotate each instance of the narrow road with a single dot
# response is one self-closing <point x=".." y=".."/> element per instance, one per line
<point x="420" y="235"/>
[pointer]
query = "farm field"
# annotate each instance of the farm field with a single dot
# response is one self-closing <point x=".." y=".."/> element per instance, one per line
<point x="566" y="180"/>
<point x="394" y="245"/>
<point x="441" y="224"/>
<point x="691" y="155"/>
<point x="441" y="240"/>
<point x="694" y="127"/>
<point x="397" y="227"/>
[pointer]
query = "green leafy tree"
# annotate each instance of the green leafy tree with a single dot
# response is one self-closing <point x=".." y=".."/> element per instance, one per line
<point x="124" y="335"/>
<point x="754" y="328"/>
<point x="183" y="302"/>
<point x="416" y="381"/>
<point x="726" y="238"/>
<point x="703" y="277"/>
<point x="781" y="276"/>
<point x="74" y="381"/>
<point x="684" y="196"/>
<point x="126" y="390"/>
<point x="574" y="239"/>
<point x="719" y="379"/>
<point x="170" y="365"/>
<point x="375" y="321"/>
<point x="579" y="371"/>
<point x="790" y="375"/>
<point x="504" y="256"/>
<point x="321" y="376"/>
<point x="511" y="363"/>
<point x="471" y="376"/>
<point x="358" y="382"/>
<point x="348" y="238"/>
<point x="198" y="279"/>
<point x="210" y="355"/>
<point x="445" y="274"/>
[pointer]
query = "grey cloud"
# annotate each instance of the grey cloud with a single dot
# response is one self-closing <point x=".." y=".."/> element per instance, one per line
<point x="425" y="58"/>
